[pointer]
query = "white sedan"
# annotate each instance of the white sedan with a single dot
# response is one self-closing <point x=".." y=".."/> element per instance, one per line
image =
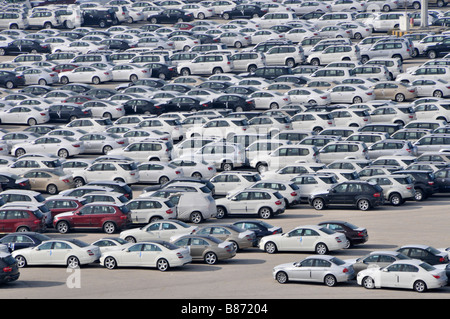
<point x="351" y="93"/>
<point x="61" y="146"/>
<point x="269" y="100"/>
<point x="159" y="230"/>
<point x="309" y="95"/>
<point x="429" y="87"/>
<point x="85" y="74"/>
<point x="40" y="76"/>
<point x="111" y="243"/>
<point x="24" y="115"/>
<point x="158" y="172"/>
<point x="130" y="72"/>
<point x="409" y="274"/>
<point x="70" y="252"/>
<point x="304" y="238"/>
<point x="160" y="254"/>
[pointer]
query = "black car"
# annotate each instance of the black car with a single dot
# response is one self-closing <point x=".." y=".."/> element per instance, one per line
<point x="101" y="93"/>
<point x="205" y="38"/>
<point x="219" y="86"/>
<point x="36" y="90"/>
<point x="424" y="183"/>
<point x="141" y="106"/>
<point x="10" y="80"/>
<point x="99" y="17"/>
<point x="235" y="102"/>
<point x="153" y="83"/>
<point x="355" y="235"/>
<point x="425" y="253"/>
<point x="439" y="49"/>
<point x="360" y="194"/>
<point x="20" y="46"/>
<point x="259" y="227"/>
<point x="117" y="44"/>
<point x="67" y="112"/>
<point x="244" y="11"/>
<point x="241" y="90"/>
<point x="171" y="16"/>
<point x="183" y="103"/>
<point x="9" y="271"/>
<point x="442" y="180"/>
<point x="271" y="72"/>
<point x="120" y="187"/>
<point x="22" y="240"/>
<point x="162" y="71"/>
<point x="13" y="181"/>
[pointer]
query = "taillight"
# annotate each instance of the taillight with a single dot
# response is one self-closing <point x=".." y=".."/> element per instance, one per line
<point x="278" y="202"/>
<point x="180" y="255"/>
<point x="360" y="234"/>
<point x="293" y="194"/>
<point x="431" y="183"/>
<point x="65" y="180"/>
<point x="169" y="211"/>
<point x="90" y="253"/>
<point x="377" y="195"/>
<point x="7" y="269"/>
<point x="76" y="145"/>
<point x="210" y="168"/>
<point x="338" y="239"/>
<point x="435" y="276"/>
<point x="345" y="270"/>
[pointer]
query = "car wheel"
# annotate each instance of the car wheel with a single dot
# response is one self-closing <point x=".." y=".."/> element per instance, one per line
<point x="238" y="44"/>
<point x="162" y="264"/>
<point x="106" y="149"/>
<point x="364" y="59"/>
<point x="321" y="249"/>
<point x="396" y="199"/>
<point x="416" y="5"/>
<point x="274" y="105"/>
<point x="19" y="152"/>
<point x="440" y="3"/>
<point x="196" y="217"/>
<point x="109" y="228"/>
<point x="201" y="16"/>
<point x="210" y="258"/>
<point x="261" y="168"/>
<point x="368" y="282"/>
<point x="163" y="180"/>
<point x="348" y="243"/>
<point x="217" y="71"/>
<point x="270" y="247"/>
<point x="96" y="80"/>
<point x="419" y="195"/>
<point x="318" y="204"/>
<point x="399" y="97"/>
<point x="9" y="85"/>
<point x="110" y="263"/>
<point x="227" y="166"/>
<point x="73" y="262"/>
<point x="133" y="78"/>
<point x="358" y="36"/>
<point x="386" y="8"/>
<point x="438" y="93"/>
<point x="330" y="280"/>
<point x="22" y="229"/>
<point x="47" y="25"/>
<point x="130" y="239"/>
<point x="42" y="82"/>
<point x="197" y="175"/>
<point x="315" y="62"/>
<point x="265" y="212"/>
<point x="62" y="227"/>
<point x="64" y="80"/>
<point x="185" y="72"/>
<point x="154" y="219"/>
<point x="420" y="286"/>
<point x="282" y="277"/>
<point x="221" y="212"/>
<point x="357" y="100"/>
<point x="78" y="181"/>
<point x="2" y="52"/>
<point x="251" y="68"/>
<point x="432" y="54"/>
<point x="52" y="189"/>
<point x="21" y="261"/>
<point x="32" y="122"/>
<point x="102" y="24"/>
<point x="226" y="16"/>
<point x="363" y="204"/>
<point x="63" y="153"/>
<point x="290" y="63"/>
<point x="154" y="20"/>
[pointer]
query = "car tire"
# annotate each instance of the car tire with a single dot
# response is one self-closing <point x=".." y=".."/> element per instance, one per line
<point x="42" y="82"/>
<point x="32" y="122"/>
<point x="238" y="44"/>
<point x="217" y="70"/>
<point x="315" y="62"/>
<point x="210" y="258"/>
<point x="274" y="106"/>
<point x="163" y="180"/>
<point x="265" y="213"/>
<point x="419" y="195"/>
<point x="96" y="80"/>
<point x="197" y="175"/>
<point x="330" y="280"/>
<point x="438" y="93"/>
<point x="79" y="181"/>
<point x="22" y="229"/>
<point x="62" y="227"/>
<point x="368" y="283"/>
<point x="270" y="247"/>
<point x="109" y="228"/>
<point x="321" y="249"/>
<point x="226" y="16"/>
<point x="130" y="239"/>
<point x="432" y="54"/>
<point x="282" y="277"/>
<point x="399" y="97"/>
<point x="162" y="264"/>
<point x="318" y="204"/>
<point x="73" y="262"/>
<point x="290" y="63"/>
<point x="420" y="286"/>
<point x="63" y="153"/>
<point x="19" y="152"/>
<point x="185" y="72"/>
<point x="110" y="263"/>
<point x="64" y="80"/>
<point x="221" y="212"/>
<point x="226" y="166"/>
<point x="106" y="149"/>
<point x="52" y="189"/>
<point x="261" y="167"/>
<point x="2" y="51"/>
<point x="357" y="100"/>
<point x="9" y="85"/>
<point x="134" y="78"/>
<point x="363" y="204"/>
<point x="196" y="217"/>
<point x="21" y="261"/>
<point x="395" y="199"/>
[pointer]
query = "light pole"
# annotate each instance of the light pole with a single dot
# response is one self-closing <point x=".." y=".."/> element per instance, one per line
<point x="424" y="14"/>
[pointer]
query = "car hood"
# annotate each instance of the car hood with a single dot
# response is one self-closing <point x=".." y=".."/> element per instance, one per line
<point x="65" y="214"/>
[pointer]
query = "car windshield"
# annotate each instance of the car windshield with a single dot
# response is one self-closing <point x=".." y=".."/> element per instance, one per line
<point x="168" y="245"/>
<point x="337" y="261"/>
<point x="327" y="231"/>
<point x="427" y="267"/>
<point x="78" y="242"/>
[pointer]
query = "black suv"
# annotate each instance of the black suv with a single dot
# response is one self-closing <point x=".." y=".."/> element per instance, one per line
<point x="439" y="49"/>
<point x="424" y="183"/>
<point x="9" y="271"/>
<point x="244" y="11"/>
<point x="442" y="180"/>
<point x="99" y="17"/>
<point x="361" y="194"/>
<point x="271" y="72"/>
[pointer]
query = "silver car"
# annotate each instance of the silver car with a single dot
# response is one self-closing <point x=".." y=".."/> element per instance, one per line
<point x="396" y="188"/>
<point x="324" y="268"/>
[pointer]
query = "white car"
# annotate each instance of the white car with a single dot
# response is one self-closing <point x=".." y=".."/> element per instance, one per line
<point x="226" y="182"/>
<point x="193" y="168"/>
<point x="146" y="150"/>
<point x="111" y="243"/>
<point x="218" y="128"/>
<point x="101" y="142"/>
<point x="432" y="87"/>
<point x="287" y="189"/>
<point x="30" y="115"/>
<point x="104" y="108"/>
<point x="206" y="64"/>
<point x="130" y="72"/>
<point x="314" y="121"/>
<point x="62" y="146"/>
<point x="408" y="274"/>
<point x="265" y="35"/>
<point x="69" y="252"/>
<point x="351" y="117"/>
<point x="159" y="230"/>
<point x="151" y="209"/>
<point x="268" y="100"/>
<point x="290" y="154"/>
<point x="304" y="238"/>
<point x="160" y="254"/>
<point x="125" y="171"/>
<point x="85" y="74"/>
<point x="161" y="173"/>
<point x="309" y="95"/>
<point x="313" y="183"/>
<point x="41" y="76"/>
<point x="297" y="35"/>
<point x="333" y="53"/>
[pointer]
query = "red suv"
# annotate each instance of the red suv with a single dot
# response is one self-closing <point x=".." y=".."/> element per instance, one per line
<point x="16" y="219"/>
<point x="60" y="204"/>
<point x="107" y="217"/>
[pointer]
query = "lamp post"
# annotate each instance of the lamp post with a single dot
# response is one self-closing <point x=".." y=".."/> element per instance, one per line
<point x="424" y="14"/>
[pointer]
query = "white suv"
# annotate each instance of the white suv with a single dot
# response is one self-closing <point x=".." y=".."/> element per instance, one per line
<point x="151" y="150"/>
<point x="226" y="182"/>
<point x="248" y="61"/>
<point x="335" y="53"/>
<point x="288" y="55"/>
<point x="219" y="128"/>
<point x="44" y="19"/>
<point x="148" y="210"/>
<point x="343" y="150"/>
<point x="206" y="64"/>
<point x="125" y="171"/>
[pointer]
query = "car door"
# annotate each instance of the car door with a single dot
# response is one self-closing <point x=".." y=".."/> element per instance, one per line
<point x="302" y="271"/>
<point x="390" y="276"/>
<point x="339" y="195"/>
<point x="149" y="254"/>
<point x="238" y="203"/>
<point x="59" y="253"/>
<point x="42" y="254"/>
<point x="442" y="180"/>
<point x="220" y="232"/>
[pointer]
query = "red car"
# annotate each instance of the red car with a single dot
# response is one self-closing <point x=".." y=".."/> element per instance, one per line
<point x="17" y="219"/>
<point x="64" y="67"/>
<point x="61" y="204"/>
<point x="104" y="216"/>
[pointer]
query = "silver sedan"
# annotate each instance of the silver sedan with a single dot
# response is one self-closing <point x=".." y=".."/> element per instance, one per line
<point x="324" y="268"/>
